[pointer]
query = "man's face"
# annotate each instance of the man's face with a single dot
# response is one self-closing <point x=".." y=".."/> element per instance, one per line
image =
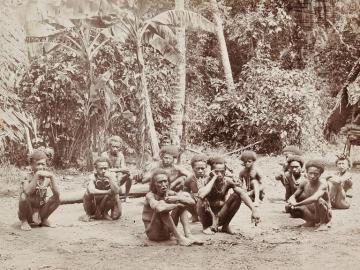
<point x="114" y="148"/>
<point x="167" y="160"/>
<point x="199" y="168"/>
<point x="166" y="142"/>
<point x="248" y="163"/>
<point x="161" y="184"/>
<point x="295" y="167"/>
<point x="219" y="170"/>
<point x="342" y="165"/>
<point x="101" y="168"/>
<point x="38" y="165"/>
<point x="313" y="174"/>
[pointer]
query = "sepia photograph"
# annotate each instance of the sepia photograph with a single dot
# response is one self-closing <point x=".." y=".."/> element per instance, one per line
<point x="179" y="134"/>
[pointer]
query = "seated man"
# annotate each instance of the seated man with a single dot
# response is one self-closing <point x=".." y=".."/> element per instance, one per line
<point x="34" y="206"/>
<point x="340" y="184"/>
<point x="251" y="177"/>
<point x="293" y="176"/>
<point x="196" y="181"/>
<point x="177" y="173"/>
<point x="163" y="207"/>
<point x="290" y="150"/>
<point x="102" y="193"/>
<point x="117" y="164"/>
<point x="311" y="200"/>
<point x="214" y="208"/>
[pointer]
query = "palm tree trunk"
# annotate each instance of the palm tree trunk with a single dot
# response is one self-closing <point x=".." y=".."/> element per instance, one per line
<point x="176" y="129"/>
<point x="149" y="121"/>
<point x="223" y="49"/>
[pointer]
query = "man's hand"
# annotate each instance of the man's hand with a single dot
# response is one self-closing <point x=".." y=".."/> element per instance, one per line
<point x="45" y="174"/>
<point x="255" y="217"/>
<point x="171" y="199"/>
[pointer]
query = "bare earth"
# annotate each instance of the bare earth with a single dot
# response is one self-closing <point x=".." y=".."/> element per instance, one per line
<point x="276" y="243"/>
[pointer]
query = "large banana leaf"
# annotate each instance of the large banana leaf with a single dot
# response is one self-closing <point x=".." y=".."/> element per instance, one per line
<point x="183" y="18"/>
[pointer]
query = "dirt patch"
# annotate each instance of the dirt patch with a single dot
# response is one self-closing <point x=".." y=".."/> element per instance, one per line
<point x="276" y="243"/>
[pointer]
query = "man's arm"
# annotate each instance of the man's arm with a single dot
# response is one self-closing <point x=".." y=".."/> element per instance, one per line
<point x="53" y="185"/>
<point x="181" y="197"/>
<point x="313" y="198"/>
<point x="205" y="190"/>
<point x="183" y="171"/>
<point x="159" y="206"/>
<point x="29" y="186"/>
<point x="297" y="193"/>
<point x="113" y="185"/>
<point x="93" y="190"/>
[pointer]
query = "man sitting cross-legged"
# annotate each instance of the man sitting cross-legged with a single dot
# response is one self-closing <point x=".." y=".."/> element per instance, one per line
<point x="214" y="208"/>
<point x="102" y="193"/>
<point x="177" y="173"/>
<point x="34" y="206"/>
<point x="117" y="164"/>
<point x="311" y="200"/>
<point x="163" y="208"/>
<point x="196" y="181"/>
<point x="340" y="183"/>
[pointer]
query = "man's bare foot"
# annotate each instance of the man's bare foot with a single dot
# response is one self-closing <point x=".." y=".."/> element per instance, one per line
<point x="322" y="228"/>
<point x="107" y="217"/>
<point x="208" y="231"/>
<point x="183" y="241"/>
<point x="194" y="240"/>
<point x="256" y="204"/>
<point x="46" y="223"/>
<point x="308" y="224"/>
<point x="227" y="229"/>
<point x="86" y="218"/>
<point x="36" y="218"/>
<point x="25" y="226"/>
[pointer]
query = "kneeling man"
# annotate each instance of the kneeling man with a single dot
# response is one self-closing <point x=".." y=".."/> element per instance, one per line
<point x="311" y="200"/>
<point x="34" y="206"/>
<point x="163" y="207"/>
<point x="102" y="194"/>
<point x="214" y="208"/>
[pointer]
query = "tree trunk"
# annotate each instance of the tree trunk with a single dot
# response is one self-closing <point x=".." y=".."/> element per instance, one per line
<point x="223" y="49"/>
<point x="149" y="121"/>
<point x="176" y="129"/>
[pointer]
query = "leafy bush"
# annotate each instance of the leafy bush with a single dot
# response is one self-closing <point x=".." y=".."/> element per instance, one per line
<point x="274" y="105"/>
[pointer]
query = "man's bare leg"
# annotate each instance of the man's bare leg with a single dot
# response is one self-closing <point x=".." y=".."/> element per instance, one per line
<point x="307" y="214"/>
<point x="256" y="188"/>
<point x="126" y="179"/>
<point x="50" y="206"/>
<point x="24" y="213"/>
<point x="228" y="211"/>
<point x="323" y="210"/>
<point x="204" y="216"/>
<point x="338" y="197"/>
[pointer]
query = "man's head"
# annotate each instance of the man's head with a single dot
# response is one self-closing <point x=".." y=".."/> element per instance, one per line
<point x="314" y="169"/>
<point x="165" y="141"/>
<point x="114" y="145"/>
<point x="343" y="163"/>
<point x="218" y="167"/>
<point x="292" y="150"/>
<point x="159" y="183"/>
<point x="248" y="158"/>
<point x="38" y="160"/>
<point x="168" y="154"/>
<point x="101" y="166"/>
<point x="295" y="164"/>
<point x="199" y="164"/>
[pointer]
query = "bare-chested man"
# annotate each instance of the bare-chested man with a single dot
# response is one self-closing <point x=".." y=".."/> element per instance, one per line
<point x="163" y="207"/>
<point x="290" y="150"/>
<point x="340" y="184"/>
<point x="311" y="200"/>
<point x="34" y="206"/>
<point x="196" y="181"/>
<point x="293" y="176"/>
<point x="117" y="164"/>
<point x="251" y="177"/>
<point x="224" y="209"/>
<point x="102" y="193"/>
<point x="177" y="173"/>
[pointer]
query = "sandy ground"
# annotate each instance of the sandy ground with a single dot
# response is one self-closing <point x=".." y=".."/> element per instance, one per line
<point x="276" y="243"/>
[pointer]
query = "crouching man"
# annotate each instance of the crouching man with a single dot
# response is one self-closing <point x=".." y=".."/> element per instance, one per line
<point x="163" y="208"/>
<point x="213" y="207"/>
<point x="311" y="201"/>
<point x="34" y="206"/>
<point x="102" y="193"/>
